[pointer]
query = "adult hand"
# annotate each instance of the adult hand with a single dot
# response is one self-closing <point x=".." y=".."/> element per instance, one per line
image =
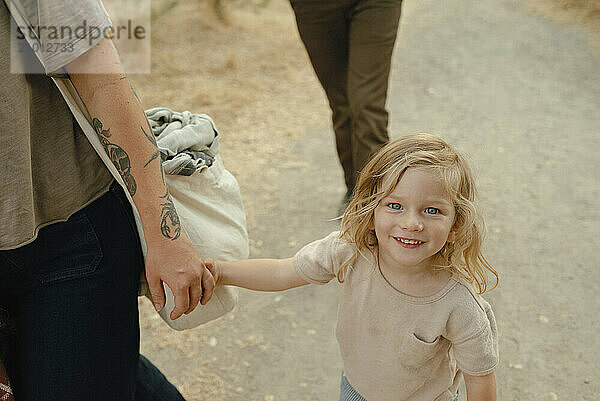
<point x="178" y="264"/>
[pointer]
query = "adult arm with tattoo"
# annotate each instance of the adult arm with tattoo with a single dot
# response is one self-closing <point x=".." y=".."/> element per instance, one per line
<point x="122" y="127"/>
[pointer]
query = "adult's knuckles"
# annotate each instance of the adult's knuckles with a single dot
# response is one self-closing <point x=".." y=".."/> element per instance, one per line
<point x="181" y="286"/>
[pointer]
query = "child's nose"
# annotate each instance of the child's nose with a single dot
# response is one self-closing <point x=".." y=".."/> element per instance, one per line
<point x="411" y="222"/>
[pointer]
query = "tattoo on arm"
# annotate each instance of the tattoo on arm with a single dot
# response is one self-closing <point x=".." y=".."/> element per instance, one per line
<point x="134" y="92"/>
<point x="124" y="76"/>
<point x="117" y="155"/>
<point x="156" y="154"/>
<point x="170" y="226"/>
<point x="131" y="87"/>
<point x="150" y="137"/>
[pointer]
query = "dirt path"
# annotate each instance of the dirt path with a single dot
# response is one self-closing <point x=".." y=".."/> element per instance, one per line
<point x="514" y="90"/>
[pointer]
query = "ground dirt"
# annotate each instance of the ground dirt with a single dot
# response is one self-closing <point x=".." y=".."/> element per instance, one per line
<point x="513" y="84"/>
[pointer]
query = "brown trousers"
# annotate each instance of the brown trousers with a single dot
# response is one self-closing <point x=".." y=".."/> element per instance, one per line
<point x="350" y="45"/>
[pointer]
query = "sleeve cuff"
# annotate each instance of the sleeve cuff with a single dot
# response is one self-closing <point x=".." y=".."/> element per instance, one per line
<point x="55" y="62"/>
<point x="299" y="269"/>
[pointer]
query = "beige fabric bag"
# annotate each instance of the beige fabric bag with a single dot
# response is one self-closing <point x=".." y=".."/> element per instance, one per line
<point x="210" y="209"/>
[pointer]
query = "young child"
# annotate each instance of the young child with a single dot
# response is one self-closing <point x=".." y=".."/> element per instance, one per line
<point x="411" y="320"/>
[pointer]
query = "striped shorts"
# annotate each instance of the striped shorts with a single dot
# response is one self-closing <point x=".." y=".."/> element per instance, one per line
<point x="347" y="392"/>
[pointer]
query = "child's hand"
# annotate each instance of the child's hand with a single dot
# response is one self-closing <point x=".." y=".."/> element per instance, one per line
<point x="213" y="268"/>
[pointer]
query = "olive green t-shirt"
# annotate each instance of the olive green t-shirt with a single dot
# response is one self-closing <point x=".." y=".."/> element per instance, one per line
<point x="48" y="168"/>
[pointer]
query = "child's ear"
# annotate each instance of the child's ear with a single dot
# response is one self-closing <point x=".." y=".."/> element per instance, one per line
<point x="451" y="236"/>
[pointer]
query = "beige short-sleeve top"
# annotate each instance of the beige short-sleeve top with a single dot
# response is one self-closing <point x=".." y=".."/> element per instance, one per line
<point x="395" y="346"/>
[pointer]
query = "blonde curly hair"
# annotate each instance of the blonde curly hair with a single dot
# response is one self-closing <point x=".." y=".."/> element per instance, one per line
<point x="379" y="178"/>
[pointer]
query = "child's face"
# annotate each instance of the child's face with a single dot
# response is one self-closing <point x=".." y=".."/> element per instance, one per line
<point x="414" y="222"/>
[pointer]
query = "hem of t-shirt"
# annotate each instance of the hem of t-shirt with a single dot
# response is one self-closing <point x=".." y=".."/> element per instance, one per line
<point x="480" y="372"/>
<point x="103" y="191"/>
<point x="80" y="46"/>
<point x="303" y="275"/>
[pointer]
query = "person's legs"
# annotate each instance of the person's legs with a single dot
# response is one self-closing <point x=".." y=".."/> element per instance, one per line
<point x="76" y="306"/>
<point x="152" y="385"/>
<point x="373" y="29"/>
<point x="75" y="290"/>
<point x="323" y="28"/>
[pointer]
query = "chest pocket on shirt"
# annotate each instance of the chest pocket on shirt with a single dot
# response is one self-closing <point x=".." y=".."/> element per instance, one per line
<point x="421" y="358"/>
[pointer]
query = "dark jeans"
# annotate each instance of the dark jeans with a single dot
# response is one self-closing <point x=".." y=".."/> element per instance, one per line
<point x="350" y="45"/>
<point x="74" y="294"/>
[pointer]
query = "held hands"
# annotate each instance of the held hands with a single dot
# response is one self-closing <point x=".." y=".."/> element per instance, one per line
<point x="214" y="268"/>
<point x="256" y="274"/>
<point x="178" y="264"/>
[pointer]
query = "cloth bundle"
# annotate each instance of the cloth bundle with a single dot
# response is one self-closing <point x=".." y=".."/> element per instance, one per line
<point x="187" y="142"/>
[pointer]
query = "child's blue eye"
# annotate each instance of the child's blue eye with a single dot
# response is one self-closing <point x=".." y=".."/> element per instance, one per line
<point x="432" y="210"/>
<point x="395" y="206"/>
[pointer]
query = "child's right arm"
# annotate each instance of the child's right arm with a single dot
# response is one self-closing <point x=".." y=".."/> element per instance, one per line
<point x="480" y="388"/>
<point x="257" y="274"/>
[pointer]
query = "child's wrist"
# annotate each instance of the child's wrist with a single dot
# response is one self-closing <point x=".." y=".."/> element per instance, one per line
<point x="214" y="267"/>
<point x="220" y="268"/>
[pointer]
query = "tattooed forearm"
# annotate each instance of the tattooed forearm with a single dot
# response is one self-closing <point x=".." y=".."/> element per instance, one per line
<point x="149" y="135"/>
<point x="123" y="76"/>
<point x="117" y="155"/>
<point x="162" y="174"/>
<point x="156" y="154"/>
<point x="133" y="90"/>
<point x="170" y="226"/>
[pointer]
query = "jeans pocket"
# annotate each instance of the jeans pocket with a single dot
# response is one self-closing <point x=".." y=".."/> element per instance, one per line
<point x="62" y="251"/>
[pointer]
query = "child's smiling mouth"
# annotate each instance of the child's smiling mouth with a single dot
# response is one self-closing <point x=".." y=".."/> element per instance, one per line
<point x="408" y="242"/>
